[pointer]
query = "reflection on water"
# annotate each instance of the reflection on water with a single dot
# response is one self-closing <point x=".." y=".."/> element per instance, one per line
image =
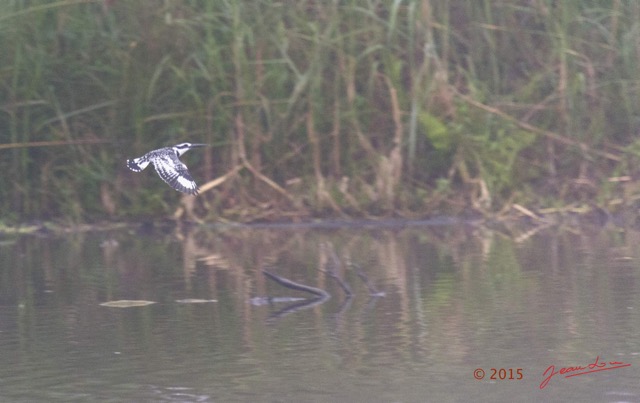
<point x="450" y="300"/>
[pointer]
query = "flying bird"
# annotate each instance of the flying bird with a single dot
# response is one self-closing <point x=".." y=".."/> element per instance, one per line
<point x="169" y="167"/>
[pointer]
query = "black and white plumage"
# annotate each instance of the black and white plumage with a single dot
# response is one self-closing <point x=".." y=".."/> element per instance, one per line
<point x="169" y="167"/>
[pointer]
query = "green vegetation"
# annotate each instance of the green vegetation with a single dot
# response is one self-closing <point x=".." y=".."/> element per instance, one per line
<point x="325" y="108"/>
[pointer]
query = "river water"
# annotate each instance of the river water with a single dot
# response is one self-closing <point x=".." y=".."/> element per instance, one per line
<point x="431" y="308"/>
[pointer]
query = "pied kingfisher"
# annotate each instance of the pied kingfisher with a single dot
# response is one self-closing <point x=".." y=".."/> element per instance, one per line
<point x="169" y="167"/>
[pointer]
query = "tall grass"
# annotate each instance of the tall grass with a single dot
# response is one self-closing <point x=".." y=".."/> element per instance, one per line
<point x="356" y="107"/>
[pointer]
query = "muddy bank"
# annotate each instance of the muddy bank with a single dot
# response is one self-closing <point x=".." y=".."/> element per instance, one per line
<point x="516" y="221"/>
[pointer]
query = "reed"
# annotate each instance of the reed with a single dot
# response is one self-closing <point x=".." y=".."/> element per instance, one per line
<point x="351" y="108"/>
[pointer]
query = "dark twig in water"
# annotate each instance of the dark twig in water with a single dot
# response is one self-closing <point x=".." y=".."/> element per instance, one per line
<point x="321" y="295"/>
<point x="297" y="286"/>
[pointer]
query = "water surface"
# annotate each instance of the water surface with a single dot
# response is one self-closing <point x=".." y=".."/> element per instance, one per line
<point x="429" y="305"/>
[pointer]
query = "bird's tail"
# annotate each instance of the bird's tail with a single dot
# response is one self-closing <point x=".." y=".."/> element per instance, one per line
<point x="137" y="164"/>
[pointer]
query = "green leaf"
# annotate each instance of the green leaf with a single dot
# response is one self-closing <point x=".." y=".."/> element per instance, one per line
<point x="436" y="131"/>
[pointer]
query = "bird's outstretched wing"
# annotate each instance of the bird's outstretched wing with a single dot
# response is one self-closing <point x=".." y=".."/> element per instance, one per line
<point x="175" y="173"/>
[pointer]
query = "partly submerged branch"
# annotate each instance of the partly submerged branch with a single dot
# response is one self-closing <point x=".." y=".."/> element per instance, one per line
<point x="297" y="286"/>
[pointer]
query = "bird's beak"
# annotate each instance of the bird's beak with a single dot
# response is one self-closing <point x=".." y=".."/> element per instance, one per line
<point x="199" y="145"/>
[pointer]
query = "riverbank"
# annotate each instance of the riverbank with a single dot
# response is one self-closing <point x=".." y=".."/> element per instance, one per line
<point x="517" y="222"/>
